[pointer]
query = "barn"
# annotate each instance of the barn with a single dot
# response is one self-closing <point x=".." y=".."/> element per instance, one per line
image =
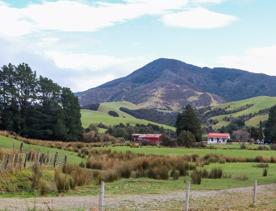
<point x="153" y="139"/>
<point x="218" y="138"/>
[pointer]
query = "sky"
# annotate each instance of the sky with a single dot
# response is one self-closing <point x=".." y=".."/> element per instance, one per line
<point x="83" y="44"/>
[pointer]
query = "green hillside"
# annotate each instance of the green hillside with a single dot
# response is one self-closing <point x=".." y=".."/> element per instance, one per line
<point x="102" y="116"/>
<point x="252" y="110"/>
<point x="7" y="143"/>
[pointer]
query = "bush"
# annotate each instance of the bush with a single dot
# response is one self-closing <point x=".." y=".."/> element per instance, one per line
<point x="215" y="173"/>
<point x="186" y="138"/>
<point x="113" y="113"/>
<point x="196" y="177"/>
<point x="109" y="176"/>
<point x="161" y="172"/>
<point x="263" y="147"/>
<point x="265" y="172"/>
<point x="175" y="174"/>
<point x="64" y="182"/>
<point x="273" y="146"/>
<point x="262" y="165"/>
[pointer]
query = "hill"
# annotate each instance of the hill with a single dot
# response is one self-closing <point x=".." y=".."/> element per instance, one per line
<point x="170" y="84"/>
<point x="103" y="115"/>
<point x="252" y="111"/>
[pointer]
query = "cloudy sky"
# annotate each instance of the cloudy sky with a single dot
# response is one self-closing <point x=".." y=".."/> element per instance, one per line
<point x="82" y="44"/>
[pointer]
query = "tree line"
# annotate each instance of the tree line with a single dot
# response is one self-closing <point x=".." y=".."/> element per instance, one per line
<point x="36" y="107"/>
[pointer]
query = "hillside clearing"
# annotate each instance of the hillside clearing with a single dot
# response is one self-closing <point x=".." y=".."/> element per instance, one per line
<point x="253" y="106"/>
<point x="102" y="116"/>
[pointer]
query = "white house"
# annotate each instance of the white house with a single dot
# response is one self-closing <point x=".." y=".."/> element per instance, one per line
<point x="218" y="138"/>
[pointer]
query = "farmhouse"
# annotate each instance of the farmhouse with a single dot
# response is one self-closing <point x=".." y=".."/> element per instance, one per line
<point x="153" y="139"/>
<point x="218" y="138"/>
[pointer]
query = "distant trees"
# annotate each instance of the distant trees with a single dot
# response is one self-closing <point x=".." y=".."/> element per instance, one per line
<point x="270" y="129"/>
<point x="36" y="106"/>
<point x="189" y="122"/>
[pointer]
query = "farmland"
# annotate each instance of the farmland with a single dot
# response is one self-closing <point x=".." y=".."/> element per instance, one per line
<point x="257" y="107"/>
<point x="102" y="116"/>
<point x="231" y="152"/>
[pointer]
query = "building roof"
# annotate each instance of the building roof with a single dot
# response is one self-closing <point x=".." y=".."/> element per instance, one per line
<point x="218" y="135"/>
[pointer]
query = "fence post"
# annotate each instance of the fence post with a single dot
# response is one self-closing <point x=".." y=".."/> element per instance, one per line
<point x="25" y="160"/>
<point x="21" y="147"/>
<point x="254" y="193"/>
<point x="55" y="159"/>
<point x="187" y="195"/>
<point x="101" y="197"/>
<point x="65" y="161"/>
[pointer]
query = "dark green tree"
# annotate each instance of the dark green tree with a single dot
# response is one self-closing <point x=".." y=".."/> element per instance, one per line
<point x="270" y="129"/>
<point x="72" y="115"/>
<point x="37" y="107"/>
<point x="188" y="121"/>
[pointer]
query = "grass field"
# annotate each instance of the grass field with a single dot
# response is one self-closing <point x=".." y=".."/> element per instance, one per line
<point x="192" y="151"/>
<point x="259" y="104"/>
<point x="102" y="116"/>
<point x="8" y="143"/>
<point x="235" y="171"/>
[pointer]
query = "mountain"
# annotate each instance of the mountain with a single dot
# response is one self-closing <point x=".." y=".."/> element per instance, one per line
<point x="170" y="84"/>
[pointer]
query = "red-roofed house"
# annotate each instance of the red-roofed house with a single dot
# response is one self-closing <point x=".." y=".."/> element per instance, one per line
<point x="153" y="139"/>
<point x="218" y="138"/>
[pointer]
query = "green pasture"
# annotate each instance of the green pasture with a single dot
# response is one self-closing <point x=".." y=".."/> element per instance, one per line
<point x="102" y="116"/>
<point x="236" y="175"/>
<point x="258" y="104"/>
<point x="9" y="143"/>
<point x="196" y="151"/>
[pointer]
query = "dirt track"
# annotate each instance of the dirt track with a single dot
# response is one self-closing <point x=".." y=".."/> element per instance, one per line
<point x="125" y="202"/>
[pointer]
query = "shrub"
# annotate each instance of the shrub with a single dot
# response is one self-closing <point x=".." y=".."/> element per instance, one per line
<point x="113" y="113"/>
<point x="175" y="174"/>
<point x="161" y="172"/>
<point x="124" y="171"/>
<point x="241" y="177"/>
<point x="196" y="177"/>
<point x="186" y="138"/>
<point x="215" y="173"/>
<point x="265" y="172"/>
<point x="263" y="147"/>
<point x="79" y="175"/>
<point x="45" y="187"/>
<point x="243" y="146"/>
<point x="36" y="176"/>
<point x="262" y="165"/>
<point x="63" y="181"/>
<point x="273" y="146"/>
<point x="204" y="173"/>
<point x="109" y="176"/>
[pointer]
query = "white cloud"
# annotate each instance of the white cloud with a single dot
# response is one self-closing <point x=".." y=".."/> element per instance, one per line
<point x="259" y="60"/>
<point x="76" y="16"/>
<point x="197" y="18"/>
<point x="83" y="61"/>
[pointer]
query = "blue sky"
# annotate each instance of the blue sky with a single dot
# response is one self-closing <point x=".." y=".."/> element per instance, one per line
<point x="82" y="44"/>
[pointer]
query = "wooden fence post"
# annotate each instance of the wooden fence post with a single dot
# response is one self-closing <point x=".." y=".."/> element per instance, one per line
<point x="65" y="161"/>
<point x="101" y="197"/>
<point x="254" y="193"/>
<point x="187" y="195"/>
<point x="21" y="147"/>
<point x="55" y="159"/>
<point x="25" y="160"/>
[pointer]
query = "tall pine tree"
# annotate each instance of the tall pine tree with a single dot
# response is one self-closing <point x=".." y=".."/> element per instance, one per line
<point x="188" y="121"/>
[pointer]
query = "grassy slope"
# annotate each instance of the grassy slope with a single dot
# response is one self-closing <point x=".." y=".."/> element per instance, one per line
<point x="260" y="103"/>
<point x="7" y="143"/>
<point x="102" y="116"/>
